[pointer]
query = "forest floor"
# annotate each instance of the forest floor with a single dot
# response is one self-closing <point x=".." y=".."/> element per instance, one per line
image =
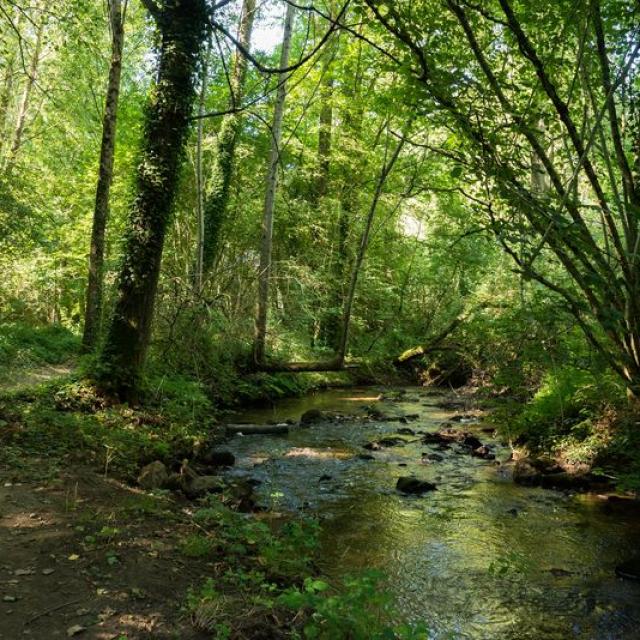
<point x="28" y="377"/>
<point x="83" y="555"/>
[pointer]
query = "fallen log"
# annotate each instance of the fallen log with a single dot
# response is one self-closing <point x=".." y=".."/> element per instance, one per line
<point x="304" y="367"/>
<point x="257" y="429"/>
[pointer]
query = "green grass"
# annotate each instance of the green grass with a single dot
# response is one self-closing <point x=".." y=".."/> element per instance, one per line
<point x="23" y="345"/>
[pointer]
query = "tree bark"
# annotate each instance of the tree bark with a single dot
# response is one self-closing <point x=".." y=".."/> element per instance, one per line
<point x="351" y="130"/>
<point x="23" y="108"/>
<point x="199" y="274"/>
<point x="325" y="129"/>
<point x="216" y="203"/>
<point x="181" y="25"/>
<point x="93" y="308"/>
<point x="270" y="197"/>
<point x="7" y="90"/>
<point x="364" y="243"/>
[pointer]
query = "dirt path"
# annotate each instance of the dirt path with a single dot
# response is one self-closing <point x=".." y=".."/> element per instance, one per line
<point x="86" y="557"/>
<point x="23" y="378"/>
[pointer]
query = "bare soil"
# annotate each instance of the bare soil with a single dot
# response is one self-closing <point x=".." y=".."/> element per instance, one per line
<point x="83" y="556"/>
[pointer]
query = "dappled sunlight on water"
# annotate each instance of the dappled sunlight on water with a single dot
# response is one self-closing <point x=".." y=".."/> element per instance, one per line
<point x="478" y="558"/>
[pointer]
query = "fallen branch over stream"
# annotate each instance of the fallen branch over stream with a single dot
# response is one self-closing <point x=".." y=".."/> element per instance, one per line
<point x="257" y="429"/>
<point x="305" y="367"/>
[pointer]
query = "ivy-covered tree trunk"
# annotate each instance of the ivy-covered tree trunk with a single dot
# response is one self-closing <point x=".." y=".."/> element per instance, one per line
<point x="181" y="25"/>
<point x="93" y="308"/>
<point x="215" y="205"/>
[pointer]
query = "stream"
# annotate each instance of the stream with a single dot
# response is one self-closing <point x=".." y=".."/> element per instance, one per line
<point x="480" y="557"/>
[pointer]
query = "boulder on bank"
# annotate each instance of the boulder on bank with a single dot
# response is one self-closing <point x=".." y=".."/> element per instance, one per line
<point x="201" y="485"/>
<point x="214" y="458"/>
<point x="153" y="476"/>
<point x="526" y="473"/>
<point x="406" y="484"/>
<point x="550" y="475"/>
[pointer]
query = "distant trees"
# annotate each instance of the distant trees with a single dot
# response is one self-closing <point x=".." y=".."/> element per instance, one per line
<point x="556" y="82"/>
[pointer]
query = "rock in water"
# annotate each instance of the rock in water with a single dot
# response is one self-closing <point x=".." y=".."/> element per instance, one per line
<point x="432" y="457"/>
<point x="483" y="452"/>
<point x="388" y="441"/>
<point x="471" y="441"/>
<point x="312" y="416"/>
<point x="414" y="486"/>
<point x="629" y="570"/>
<point x="153" y="476"/>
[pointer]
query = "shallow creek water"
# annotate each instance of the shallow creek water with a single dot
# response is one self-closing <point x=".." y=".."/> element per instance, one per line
<point x="480" y="558"/>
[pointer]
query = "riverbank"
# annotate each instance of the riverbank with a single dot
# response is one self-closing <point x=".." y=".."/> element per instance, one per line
<point x="283" y="522"/>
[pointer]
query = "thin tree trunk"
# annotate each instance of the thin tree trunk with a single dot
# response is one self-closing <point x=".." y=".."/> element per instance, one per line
<point x="199" y="179"/>
<point x="7" y="93"/>
<point x="325" y="131"/>
<point x="23" y="108"/>
<point x="352" y="128"/>
<point x="93" y="308"/>
<point x="270" y="197"/>
<point x="182" y="26"/>
<point x="216" y="204"/>
<point x="364" y="243"/>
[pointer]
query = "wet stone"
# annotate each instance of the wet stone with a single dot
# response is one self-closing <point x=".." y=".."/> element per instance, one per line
<point x="406" y="484"/>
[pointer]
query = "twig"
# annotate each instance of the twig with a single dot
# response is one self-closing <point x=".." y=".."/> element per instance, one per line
<point x="52" y="609"/>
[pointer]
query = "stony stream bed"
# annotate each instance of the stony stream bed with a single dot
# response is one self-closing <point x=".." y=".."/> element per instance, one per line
<point x="479" y="557"/>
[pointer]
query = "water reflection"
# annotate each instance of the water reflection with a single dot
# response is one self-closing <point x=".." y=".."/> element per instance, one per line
<point x="479" y="558"/>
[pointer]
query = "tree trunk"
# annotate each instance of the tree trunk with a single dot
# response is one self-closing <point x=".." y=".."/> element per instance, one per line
<point x="351" y="128"/>
<point x="23" y="108"/>
<point x="200" y="178"/>
<point x="364" y="243"/>
<point x="181" y="24"/>
<point x="7" y="90"/>
<point x="93" y="309"/>
<point x="270" y="197"/>
<point x="325" y="130"/>
<point x="215" y="206"/>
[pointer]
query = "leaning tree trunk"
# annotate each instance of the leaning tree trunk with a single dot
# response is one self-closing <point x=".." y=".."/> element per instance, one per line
<point x="181" y="24"/>
<point x="270" y="198"/>
<point x="93" y="309"/>
<point x="25" y="100"/>
<point x="215" y="205"/>
<point x="364" y="243"/>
